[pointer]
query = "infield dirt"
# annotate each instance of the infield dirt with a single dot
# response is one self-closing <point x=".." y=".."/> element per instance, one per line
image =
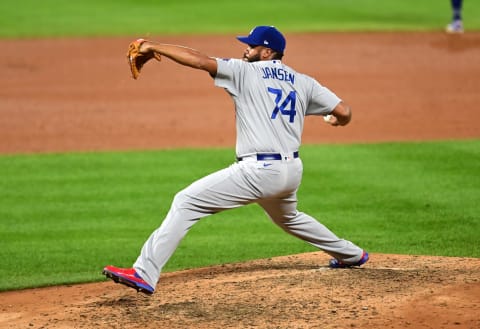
<point x="77" y="95"/>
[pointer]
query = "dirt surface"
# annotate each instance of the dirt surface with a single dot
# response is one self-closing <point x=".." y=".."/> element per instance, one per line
<point x="77" y="95"/>
<point x="297" y="291"/>
<point x="63" y="95"/>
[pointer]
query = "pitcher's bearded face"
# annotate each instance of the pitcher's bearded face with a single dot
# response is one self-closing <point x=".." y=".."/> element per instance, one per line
<point x="252" y="53"/>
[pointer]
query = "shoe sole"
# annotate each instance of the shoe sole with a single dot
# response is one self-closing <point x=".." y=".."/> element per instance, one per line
<point x="364" y="259"/>
<point x="454" y="32"/>
<point x="128" y="283"/>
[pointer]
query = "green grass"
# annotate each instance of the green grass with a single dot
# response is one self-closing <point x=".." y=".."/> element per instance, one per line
<point x="33" y="18"/>
<point x="64" y="216"/>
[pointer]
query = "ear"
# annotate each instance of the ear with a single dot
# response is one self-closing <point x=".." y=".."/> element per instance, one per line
<point x="267" y="53"/>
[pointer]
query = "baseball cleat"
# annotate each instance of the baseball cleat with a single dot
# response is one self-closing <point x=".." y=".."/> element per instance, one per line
<point x="335" y="263"/>
<point x="454" y="27"/>
<point x="129" y="278"/>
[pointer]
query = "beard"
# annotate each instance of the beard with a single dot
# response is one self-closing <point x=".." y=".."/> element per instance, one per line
<point x="254" y="58"/>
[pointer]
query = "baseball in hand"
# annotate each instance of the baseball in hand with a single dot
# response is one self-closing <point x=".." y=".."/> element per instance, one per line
<point x="327" y="117"/>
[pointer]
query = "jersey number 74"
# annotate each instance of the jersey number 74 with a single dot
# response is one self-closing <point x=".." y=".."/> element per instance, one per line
<point x="285" y="106"/>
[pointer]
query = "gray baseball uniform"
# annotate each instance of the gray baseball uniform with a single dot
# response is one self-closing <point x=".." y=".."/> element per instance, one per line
<point x="271" y="102"/>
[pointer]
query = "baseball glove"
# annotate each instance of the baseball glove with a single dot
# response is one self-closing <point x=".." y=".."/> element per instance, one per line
<point x="137" y="59"/>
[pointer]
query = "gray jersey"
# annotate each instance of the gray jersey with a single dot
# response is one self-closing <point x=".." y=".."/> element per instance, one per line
<point x="271" y="102"/>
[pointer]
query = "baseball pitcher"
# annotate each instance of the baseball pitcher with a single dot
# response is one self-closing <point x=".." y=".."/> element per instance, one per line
<point x="271" y="101"/>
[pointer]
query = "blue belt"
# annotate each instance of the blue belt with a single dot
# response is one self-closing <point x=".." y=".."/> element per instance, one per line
<point x="269" y="156"/>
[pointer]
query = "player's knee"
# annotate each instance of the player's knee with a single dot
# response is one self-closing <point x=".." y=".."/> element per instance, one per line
<point x="179" y="199"/>
<point x="283" y="218"/>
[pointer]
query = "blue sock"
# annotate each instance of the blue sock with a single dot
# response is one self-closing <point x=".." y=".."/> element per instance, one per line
<point x="457" y="10"/>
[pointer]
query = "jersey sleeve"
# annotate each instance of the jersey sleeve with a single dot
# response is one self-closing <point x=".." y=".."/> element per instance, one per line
<point x="228" y="74"/>
<point x="323" y="100"/>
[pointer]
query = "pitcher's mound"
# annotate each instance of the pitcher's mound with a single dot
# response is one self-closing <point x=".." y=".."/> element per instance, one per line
<point x="300" y="291"/>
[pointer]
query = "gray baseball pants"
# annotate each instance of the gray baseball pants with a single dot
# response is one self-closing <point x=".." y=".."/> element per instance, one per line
<point x="271" y="184"/>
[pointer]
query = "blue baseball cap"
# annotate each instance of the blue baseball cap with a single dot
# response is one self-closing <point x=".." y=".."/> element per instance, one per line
<point x="267" y="36"/>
